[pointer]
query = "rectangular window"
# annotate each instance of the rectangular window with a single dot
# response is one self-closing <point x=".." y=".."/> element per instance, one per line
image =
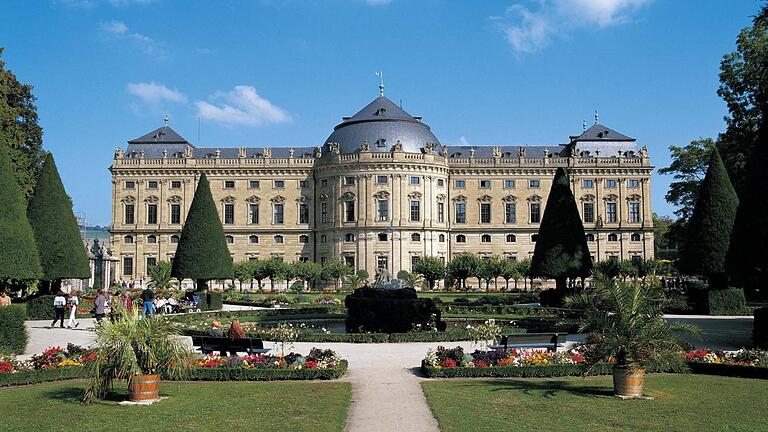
<point x="349" y="181"/>
<point x="534" y="183"/>
<point x="382" y="236"/>
<point x="229" y="184"/>
<point x="130" y="184"/>
<point x="349" y="211"/>
<point x="176" y="184"/>
<point x="254" y="184"/>
<point x="415" y="180"/>
<point x="610" y="183"/>
<point x="382" y="211"/>
<point x="175" y="213"/>
<point x="304" y="259"/>
<point x="324" y="212"/>
<point x="349" y="260"/>
<point x="279" y="184"/>
<point x="440" y="212"/>
<point x="460" y="184"/>
<point x="485" y="184"/>
<point x="440" y="182"/>
<point x="152" y="184"/>
<point x="485" y="213"/>
<point x="535" y="212"/>
<point x="461" y="212"/>
<point x="151" y="213"/>
<point x="634" y="212"/>
<point x="324" y="182"/>
<point x="151" y="262"/>
<point x="589" y="212"/>
<point x="633" y="183"/>
<point x="414" y="260"/>
<point x="128" y="214"/>
<point x="381" y="179"/>
<point x="229" y="214"/>
<point x="587" y="184"/>
<point x="610" y="210"/>
<point x="382" y="261"/>
<point x="303" y="184"/>
<point x="415" y="210"/>
<point x="128" y="266"/>
<point x="509" y="184"/>
<point x="279" y="216"/>
<point x="253" y="213"/>
<point x="510" y="213"/>
<point x="303" y="213"/>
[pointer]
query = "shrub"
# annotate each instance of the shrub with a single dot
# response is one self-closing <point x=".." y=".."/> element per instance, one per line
<point x="41" y="376"/>
<point x="760" y="330"/>
<point x="729" y="301"/>
<point x="210" y="301"/>
<point x="515" y="371"/>
<point x="554" y="297"/>
<point x="40" y="308"/>
<point x="13" y="334"/>
<point x="266" y="374"/>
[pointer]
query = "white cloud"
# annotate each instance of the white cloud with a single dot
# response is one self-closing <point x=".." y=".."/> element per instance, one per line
<point x="462" y="141"/>
<point x="119" y="30"/>
<point x="241" y="106"/>
<point x="154" y="93"/>
<point x="528" y="30"/>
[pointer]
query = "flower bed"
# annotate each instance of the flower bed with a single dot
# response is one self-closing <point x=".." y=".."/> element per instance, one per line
<point x="53" y="364"/>
<point x="744" y="363"/>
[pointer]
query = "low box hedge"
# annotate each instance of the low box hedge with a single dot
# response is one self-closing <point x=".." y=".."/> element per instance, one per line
<point x="40" y="308"/>
<point x="266" y="374"/>
<point x="728" y="370"/>
<point x="13" y="334"/>
<point x="41" y="376"/>
<point x="515" y="371"/>
<point x="760" y="328"/>
<point x="211" y="301"/>
<point x="730" y="301"/>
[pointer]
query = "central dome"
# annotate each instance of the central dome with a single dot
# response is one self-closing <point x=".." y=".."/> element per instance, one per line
<point x="383" y="124"/>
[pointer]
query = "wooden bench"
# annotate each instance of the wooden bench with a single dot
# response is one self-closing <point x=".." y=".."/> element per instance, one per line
<point x="224" y="345"/>
<point x="550" y="341"/>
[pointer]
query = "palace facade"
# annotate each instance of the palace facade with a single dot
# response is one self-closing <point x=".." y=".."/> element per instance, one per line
<point x="381" y="191"/>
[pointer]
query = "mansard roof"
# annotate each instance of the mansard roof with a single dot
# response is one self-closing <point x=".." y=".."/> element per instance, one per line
<point x="599" y="132"/>
<point x="161" y="135"/>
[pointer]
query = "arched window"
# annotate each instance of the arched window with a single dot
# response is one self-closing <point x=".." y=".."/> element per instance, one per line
<point x="128" y="239"/>
<point x="303" y="238"/>
<point x="151" y="239"/>
<point x="485" y="238"/>
<point x="415" y="237"/>
<point x="534" y="238"/>
<point x="635" y="237"/>
<point x="461" y="238"/>
<point x="323" y="238"/>
<point x="253" y="239"/>
<point x="229" y="239"/>
<point x="511" y="238"/>
<point x="174" y="239"/>
<point x="349" y="237"/>
<point x="441" y="238"/>
<point x="590" y="237"/>
<point x="613" y="237"/>
<point x="278" y="239"/>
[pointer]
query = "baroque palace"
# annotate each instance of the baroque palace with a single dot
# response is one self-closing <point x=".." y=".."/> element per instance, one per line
<point x="381" y="191"/>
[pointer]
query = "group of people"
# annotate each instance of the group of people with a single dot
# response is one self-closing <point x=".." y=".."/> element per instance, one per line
<point x="60" y="305"/>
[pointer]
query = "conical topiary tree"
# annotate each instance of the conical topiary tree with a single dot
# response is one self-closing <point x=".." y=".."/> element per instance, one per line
<point x="561" y="250"/>
<point x="18" y="254"/>
<point x="61" y="251"/>
<point x="202" y="253"/>
<point x="709" y="230"/>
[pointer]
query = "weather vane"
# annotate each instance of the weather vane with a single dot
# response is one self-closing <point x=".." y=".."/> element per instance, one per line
<point x="381" y="82"/>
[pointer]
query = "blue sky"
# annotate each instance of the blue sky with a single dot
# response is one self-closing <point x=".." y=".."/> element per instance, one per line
<point x="284" y="72"/>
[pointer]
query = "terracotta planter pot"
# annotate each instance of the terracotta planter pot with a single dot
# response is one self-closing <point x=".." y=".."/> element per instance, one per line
<point x="628" y="382"/>
<point x="143" y="388"/>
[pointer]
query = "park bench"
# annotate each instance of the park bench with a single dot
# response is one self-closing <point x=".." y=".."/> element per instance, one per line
<point x="209" y="344"/>
<point x="550" y="341"/>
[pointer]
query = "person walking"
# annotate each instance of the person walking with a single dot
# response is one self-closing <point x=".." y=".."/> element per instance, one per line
<point x="4" y="299"/>
<point x="73" y="302"/>
<point x="148" y="296"/>
<point x="100" y="305"/>
<point x="59" y="307"/>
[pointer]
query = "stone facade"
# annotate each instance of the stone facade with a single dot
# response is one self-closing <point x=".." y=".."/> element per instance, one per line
<point x="377" y="205"/>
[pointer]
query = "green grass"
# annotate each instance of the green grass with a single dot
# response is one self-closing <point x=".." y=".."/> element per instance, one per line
<point x="682" y="403"/>
<point x="293" y="406"/>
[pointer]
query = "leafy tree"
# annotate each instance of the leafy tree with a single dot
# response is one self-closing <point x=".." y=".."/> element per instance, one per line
<point x="19" y="260"/>
<point x="259" y="271"/>
<point x="488" y="270"/>
<point x="509" y="270"/>
<point x="561" y="251"/>
<point x="243" y="271"/>
<point x="61" y="251"/>
<point x="160" y="274"/>
<point x="307" y="272"/>
<point x="709" y="230"/>
<point x="431" y="268"/>
<point x="410" y="280"/>
<point x="661" y="237"/>
<point x="276" y="270"/>
<point x="610" y="267"/>
<point x="628" y="269"/>
<point x="202" y="252"/>
<point x="524" y="267"/>
<point x="18" y="122"/>
<point x="353" y="281"/>
<point x="334" y="270"/>
<point x="689" y="164"/>
<point x="463" y="266"/>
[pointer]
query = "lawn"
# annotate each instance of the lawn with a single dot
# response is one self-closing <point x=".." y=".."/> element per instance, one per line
<point x="682" y="403"/>
<point x="291" y="406"/>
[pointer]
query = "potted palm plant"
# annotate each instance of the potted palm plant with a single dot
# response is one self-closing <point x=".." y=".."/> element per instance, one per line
<point x="139" y="351"/>
<point x="625" y="325"/>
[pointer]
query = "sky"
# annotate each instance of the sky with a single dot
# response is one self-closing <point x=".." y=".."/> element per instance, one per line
<point x="283" y="72"/>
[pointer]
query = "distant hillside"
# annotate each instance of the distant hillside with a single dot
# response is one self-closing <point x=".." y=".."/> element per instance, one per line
<point x="99" y="232"/>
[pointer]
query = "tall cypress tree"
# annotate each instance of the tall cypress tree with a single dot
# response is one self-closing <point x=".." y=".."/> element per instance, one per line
<point x="561" y="250"/>
<point x="202" y="253"/>
<point x="61" y="250"/>
<point x="18" y="253"/>
<point x="711" y="224"/>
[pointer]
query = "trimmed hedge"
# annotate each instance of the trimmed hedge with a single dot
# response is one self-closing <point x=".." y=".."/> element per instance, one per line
<point x="318" y="311"/>
<point x="729" y="301"/>
<point x="265" y="374"/>
<point x="760" y="329"/>
<point x="211" y="301"/>
<point x="41" y="376"/>
<point x="13" y="334"/>
<point x="738" y="371"/>
<point x="515" y="371"/>
<point x="40" y="308"/>
<point x="503" y="309"/>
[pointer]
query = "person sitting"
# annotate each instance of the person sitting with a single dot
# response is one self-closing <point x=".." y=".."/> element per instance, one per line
<point x="235" y="332"/>
<point x="215" y="330"/>
<point x="160" y="303"/>
<point x="172" y="306"/>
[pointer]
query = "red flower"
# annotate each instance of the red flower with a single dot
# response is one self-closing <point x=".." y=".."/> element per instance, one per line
<point x="6" y="367"/>
<point x="577" y="358"/>
<point x="311" y="364"/>
<point x="449" y="363"/>
<point x="479" y="363"/>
